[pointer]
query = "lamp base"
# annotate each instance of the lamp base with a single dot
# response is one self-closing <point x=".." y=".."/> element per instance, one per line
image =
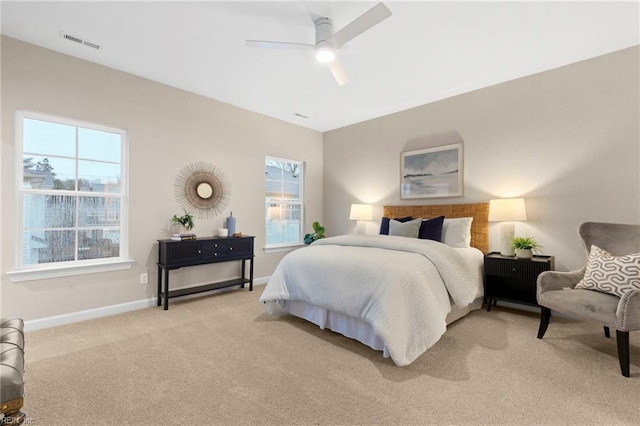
<point x="361" y="227"/>
<point x="507" y="232"/>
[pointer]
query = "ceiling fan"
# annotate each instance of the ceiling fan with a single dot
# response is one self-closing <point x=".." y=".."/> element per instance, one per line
<point x="327" y="41"/>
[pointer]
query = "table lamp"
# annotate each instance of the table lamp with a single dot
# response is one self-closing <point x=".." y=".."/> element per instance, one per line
<point x="507" y="211"/>
<point x="361" y="213"/>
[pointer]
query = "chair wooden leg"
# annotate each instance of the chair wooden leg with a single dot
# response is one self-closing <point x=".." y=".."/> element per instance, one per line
<point x="11" y="414"/>
<point x="622" y="338"/>
<point x="545" y="315"/>
<point x="606" y="331"/>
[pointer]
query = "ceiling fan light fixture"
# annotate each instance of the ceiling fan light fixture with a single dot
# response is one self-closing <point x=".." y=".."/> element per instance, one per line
<point x="325" y="54"/>
<point x="327" y="40"/>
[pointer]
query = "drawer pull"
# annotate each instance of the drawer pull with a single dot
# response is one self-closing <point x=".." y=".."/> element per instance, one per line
<point x="199" y="251"/>
<point x="230" y="248"/>
<point x="215" y="254"/>
<point x="215" y="245"/>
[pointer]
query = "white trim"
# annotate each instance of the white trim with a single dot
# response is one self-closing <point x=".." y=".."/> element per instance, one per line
<point x="123" y="196"/>
<point x="300" y="202"/>
<point x="520" y="306"/>
<point x="530" y="308"/>
<point x="280" y="249"/>
<point x="63" y="319"/>
<point x="261" y="281"/>
<point x="67" y="271"/>
<point x="88" y="314"/>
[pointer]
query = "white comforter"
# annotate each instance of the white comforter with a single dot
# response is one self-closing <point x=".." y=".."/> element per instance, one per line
<point x="400" y="286"/>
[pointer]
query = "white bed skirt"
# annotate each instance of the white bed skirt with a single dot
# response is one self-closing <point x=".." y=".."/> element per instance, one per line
<point x="353" y="328"/>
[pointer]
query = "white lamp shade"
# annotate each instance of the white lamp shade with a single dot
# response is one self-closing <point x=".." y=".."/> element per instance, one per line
<point x="507" y="210"/>
<point x="361" y="212"/>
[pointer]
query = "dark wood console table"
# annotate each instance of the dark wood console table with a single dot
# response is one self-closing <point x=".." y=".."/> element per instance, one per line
<point x="178" y="254"/>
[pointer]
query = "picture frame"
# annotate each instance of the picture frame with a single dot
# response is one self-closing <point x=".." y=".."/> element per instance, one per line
<point x="432" y="172"/>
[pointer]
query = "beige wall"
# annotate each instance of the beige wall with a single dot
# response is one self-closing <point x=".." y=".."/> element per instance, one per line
<point x="566" y="140"/>
<point x="168" y="129"/>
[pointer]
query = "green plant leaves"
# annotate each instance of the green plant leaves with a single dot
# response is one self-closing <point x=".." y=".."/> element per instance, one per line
<point x="319" y="233"/>
<point x="525" y="243"/>
<point x="185" y="220"/>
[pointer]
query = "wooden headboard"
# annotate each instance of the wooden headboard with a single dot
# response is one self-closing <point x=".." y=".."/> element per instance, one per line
<point x="479" y="212"/>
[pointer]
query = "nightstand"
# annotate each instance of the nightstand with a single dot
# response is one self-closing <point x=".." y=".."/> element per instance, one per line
<point x="512" y="279"/>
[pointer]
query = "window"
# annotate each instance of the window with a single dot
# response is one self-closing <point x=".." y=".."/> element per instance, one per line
<point x="72" y="192"/>
<point x="284" y="201"/>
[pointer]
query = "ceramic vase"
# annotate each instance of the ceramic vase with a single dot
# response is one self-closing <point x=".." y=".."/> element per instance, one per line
<point x="231" y="224"/>
<point x="524" y="253"/>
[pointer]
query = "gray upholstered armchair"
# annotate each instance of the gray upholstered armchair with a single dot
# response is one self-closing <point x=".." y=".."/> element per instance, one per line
<point x="11" y="371"/>
<point x="557" y="290"/>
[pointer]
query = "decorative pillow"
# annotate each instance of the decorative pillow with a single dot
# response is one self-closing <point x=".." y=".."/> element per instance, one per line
<point x="406" y="229"/>
<point x="431" y="229"/>
<point x="457" y="232"/>
<point x="611" y="274"/>
<point x="384" y="225"/>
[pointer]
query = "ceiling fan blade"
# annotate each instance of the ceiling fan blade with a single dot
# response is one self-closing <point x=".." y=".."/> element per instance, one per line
<point x="372" y="17"/>
<point x="338" y="71"/>
<point x="278" y="44"/>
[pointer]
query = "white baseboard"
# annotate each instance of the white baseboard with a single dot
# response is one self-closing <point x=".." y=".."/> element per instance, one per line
<point x="260" y="281"/>
<point x="534" y="309"/>
<point x="520" y="306"/>
<point x="54" y="321"/>
<point x="72" y="317"/>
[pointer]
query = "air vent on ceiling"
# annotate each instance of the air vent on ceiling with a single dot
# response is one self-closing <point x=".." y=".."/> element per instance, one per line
<point x="297" y="114"/>
<point x="80" y="40"/>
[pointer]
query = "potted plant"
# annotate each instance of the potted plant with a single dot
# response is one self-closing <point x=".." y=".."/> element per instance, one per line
<point x="319" y="233"/>
<point x="525" y="246"/>
<point x="186" y="221"/>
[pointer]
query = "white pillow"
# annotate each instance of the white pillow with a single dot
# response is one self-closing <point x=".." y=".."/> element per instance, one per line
<point x="405" y="229"/>
<point x="457" y="232"/>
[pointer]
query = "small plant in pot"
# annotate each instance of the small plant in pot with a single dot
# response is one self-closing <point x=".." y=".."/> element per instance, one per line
<point x="319" y="233"/>
<point x="185" y="221"/>
<point x="525" y="247"/>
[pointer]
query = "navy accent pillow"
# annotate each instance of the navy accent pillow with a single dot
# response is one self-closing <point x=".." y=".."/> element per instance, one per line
<point x="431" y="229"/>
<point x="384" y="225"/>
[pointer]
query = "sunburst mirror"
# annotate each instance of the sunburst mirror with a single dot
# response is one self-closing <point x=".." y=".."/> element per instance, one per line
<point x="202" y="189"/>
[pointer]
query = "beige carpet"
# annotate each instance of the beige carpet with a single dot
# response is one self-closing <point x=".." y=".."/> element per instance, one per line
<point x="220" y="360"/>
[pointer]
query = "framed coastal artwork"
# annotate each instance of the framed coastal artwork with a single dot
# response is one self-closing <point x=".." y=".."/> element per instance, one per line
<point x="432" y="172"/>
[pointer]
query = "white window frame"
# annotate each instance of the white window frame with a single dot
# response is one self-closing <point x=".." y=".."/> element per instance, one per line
<point x="270" y="248"/>
<point x="24" y="272"/>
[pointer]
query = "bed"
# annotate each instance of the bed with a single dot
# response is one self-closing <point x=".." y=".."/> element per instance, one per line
<point x="392" y="293"/>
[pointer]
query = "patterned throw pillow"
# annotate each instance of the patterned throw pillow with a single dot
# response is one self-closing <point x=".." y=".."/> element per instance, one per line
<point x="611" y="274"/>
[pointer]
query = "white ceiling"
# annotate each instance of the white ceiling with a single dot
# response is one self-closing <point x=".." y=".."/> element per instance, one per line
<point x="424" y="52"/>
